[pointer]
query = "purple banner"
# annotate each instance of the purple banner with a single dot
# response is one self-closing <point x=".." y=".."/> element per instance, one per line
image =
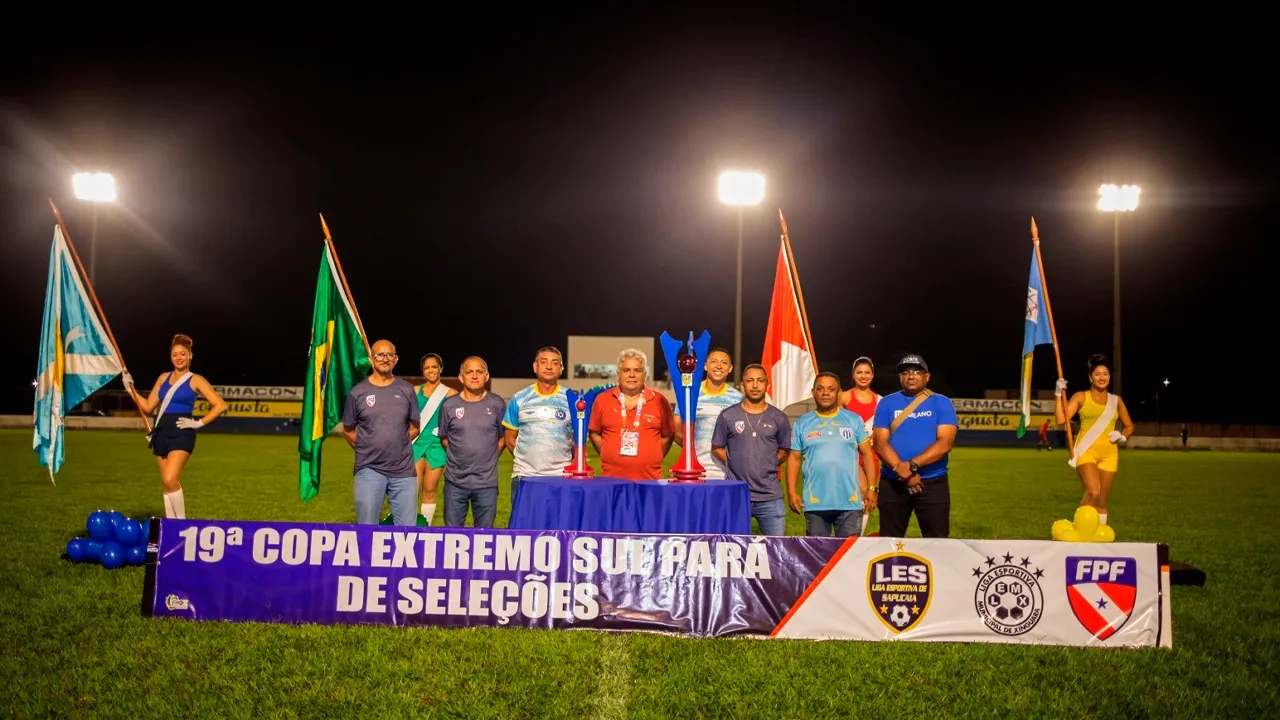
<point x="702" y="585"/>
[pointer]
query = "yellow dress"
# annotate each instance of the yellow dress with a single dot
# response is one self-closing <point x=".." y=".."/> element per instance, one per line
<point x="1101" y="451"/>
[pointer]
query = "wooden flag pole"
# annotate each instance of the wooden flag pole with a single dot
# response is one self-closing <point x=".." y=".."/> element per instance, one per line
<point x="93" y="297"/>
<point x="795" y="273"/>
<point x="328" y="239"/>
<point x="1048" y="309"/>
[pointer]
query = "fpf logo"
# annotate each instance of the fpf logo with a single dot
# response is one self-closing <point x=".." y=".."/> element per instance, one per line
<point x="900" y="586"/>
<point x="1102" y="592"/>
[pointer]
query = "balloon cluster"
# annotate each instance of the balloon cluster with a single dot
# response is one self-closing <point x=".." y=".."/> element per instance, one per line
<point x="1086" y="528"/>
<point x="113" y="540"/>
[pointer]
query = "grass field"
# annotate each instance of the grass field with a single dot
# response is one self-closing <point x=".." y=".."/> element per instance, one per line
<point x="76" y="645"/>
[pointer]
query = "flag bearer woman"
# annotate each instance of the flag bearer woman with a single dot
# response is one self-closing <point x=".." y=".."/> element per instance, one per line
<point x="173" y="437"/>
<point x="428" y="453"/>
<point x="1097" y="455"/>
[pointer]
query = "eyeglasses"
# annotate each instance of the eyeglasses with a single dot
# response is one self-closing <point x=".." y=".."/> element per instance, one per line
<point x="385" y="356"/>
<point x="912" y="373"/>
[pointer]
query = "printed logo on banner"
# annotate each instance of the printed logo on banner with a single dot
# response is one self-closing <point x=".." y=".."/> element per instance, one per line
<point x="1008" y="597"/>
<point x="173" y="602"/>
<point x="900" y="586"/>
<point x="1102" y="592"/>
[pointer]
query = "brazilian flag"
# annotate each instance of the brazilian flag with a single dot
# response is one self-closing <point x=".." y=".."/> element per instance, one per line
<point x="338" y="360"/>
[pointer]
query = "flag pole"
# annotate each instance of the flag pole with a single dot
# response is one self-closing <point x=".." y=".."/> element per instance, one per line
<point x="328" y="239"/>
<point x="1048" y="309"/>
<point x="804" y="311"/>
<point x="93" y="296"/>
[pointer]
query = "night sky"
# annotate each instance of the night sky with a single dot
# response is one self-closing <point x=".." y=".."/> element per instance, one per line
<point x="494" y="190"/>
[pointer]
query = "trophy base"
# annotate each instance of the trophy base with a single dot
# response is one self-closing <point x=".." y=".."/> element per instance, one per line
<point x="689" y="476"/>
<point x="573" y="473"/>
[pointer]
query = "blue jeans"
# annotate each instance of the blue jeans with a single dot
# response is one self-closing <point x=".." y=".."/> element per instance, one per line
<point x="771" y="515"/>
<point x="401" y="493"/>
<point x="483" y="503"/>
<point x="820" y="523"/>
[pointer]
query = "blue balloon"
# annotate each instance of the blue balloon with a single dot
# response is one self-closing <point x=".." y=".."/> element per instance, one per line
<point x="128" y="533"/>
<point x="116" y="518"/>
<point x="75" y="550"/>
<point x="92" y="550"/>
<point x="136" y="555"/>
<point x="146" y="531"/>
<point x="112" y="555"/>
<point x="100" y="526"/>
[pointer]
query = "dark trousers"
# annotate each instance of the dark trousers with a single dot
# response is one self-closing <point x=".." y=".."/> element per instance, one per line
<point x="932" y="508"/>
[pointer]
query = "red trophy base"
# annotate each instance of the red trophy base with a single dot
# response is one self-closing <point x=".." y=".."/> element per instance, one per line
<point x="688" y="470"/>
<point x="572" y="471"/>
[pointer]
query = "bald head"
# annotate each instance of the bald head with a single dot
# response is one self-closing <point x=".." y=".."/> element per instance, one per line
<point x="383" y="356"/>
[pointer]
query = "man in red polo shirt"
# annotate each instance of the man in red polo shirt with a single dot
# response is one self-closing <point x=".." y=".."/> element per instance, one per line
<point x="631" y="425"/>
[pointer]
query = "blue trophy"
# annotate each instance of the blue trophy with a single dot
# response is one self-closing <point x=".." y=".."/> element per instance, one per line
<point x="689" y="365"/>
<point x="580" y="405"/>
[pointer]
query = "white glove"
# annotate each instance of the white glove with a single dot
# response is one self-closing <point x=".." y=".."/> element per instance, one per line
<point x="1060" y="388"/>
<point x="189" y="423"/>
<point x="1117" y="437"/>
<point x="127" y="379"/>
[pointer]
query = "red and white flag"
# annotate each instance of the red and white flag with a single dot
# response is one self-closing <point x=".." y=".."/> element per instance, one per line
<point x="788" y="345"/>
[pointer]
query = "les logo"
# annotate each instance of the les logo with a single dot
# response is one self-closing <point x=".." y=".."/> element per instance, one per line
<point x="899" y="587"/>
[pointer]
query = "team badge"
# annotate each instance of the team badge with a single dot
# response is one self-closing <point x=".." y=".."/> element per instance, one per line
<point x="459" y="412"/>
<point x="846" y="433"/>
<point x="1102" y="592"/>
<point x="561" y="414"/>
<point x="1008" y="597"/>
<point x="739" y="426"/>
<point x="900" y="586"/>
<point x="370" y="400"/>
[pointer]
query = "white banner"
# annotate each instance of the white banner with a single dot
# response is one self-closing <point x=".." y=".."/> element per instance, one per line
<point x="1000" y="591"/>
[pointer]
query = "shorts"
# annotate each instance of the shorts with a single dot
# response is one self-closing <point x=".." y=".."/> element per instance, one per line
<point x="1104" y="455"/>
<point x="167" y="437"/>
<point x="432" y="450"/>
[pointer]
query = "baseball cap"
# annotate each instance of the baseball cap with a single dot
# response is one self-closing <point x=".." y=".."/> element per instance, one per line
<point x="913" y="359"/>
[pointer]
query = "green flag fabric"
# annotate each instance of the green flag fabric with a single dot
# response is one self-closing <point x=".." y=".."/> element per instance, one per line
<point x="338" y="360"/>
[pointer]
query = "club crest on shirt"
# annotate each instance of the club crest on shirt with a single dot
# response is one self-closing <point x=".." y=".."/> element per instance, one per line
<point x="561" y="414"/>
<point x="739" y="426"/>
<point x="370" y="400"/>
<point x="459" y="412"/>
<point x="846" y="433"/>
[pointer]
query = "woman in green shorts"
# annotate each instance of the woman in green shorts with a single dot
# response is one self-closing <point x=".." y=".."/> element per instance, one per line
<point x="428" y="453"/>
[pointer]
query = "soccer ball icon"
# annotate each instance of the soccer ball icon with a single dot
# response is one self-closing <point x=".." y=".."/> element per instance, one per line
<point x="1009" y="602"/>
<point x="900" y="616"/>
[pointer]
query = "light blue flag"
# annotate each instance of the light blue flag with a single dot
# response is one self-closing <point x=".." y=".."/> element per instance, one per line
<point x="1036" y="332"/>
<point x="76" y="355"/>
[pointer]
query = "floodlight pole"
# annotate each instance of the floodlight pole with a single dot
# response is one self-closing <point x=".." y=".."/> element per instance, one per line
<point x="1115" y="329"/>
<point x="737" y="318"/>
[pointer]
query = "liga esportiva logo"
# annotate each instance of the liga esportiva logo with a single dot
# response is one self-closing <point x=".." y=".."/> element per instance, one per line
<point x="1008" y="597"/>
<point x="1102" y="592"/>
<point x="900" y="586"/>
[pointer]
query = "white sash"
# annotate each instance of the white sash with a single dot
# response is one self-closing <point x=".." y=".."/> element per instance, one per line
<point x="164" y="403"/>
<point x="433" y="404"/>
<point x="1105" y="423"/>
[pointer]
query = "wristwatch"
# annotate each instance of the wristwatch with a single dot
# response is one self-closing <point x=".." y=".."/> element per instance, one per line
<point x="914" y="467"/>
<point x="870" y="489"/>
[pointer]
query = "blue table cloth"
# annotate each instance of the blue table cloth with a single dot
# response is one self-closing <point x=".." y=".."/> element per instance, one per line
<point x="715" y="507"/>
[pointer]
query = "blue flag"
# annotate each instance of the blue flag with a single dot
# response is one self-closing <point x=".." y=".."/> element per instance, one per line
<point x="1035" y="332"/>
<point x="76" y="356"/>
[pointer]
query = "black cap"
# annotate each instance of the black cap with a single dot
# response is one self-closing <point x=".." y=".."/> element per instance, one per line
<point x="913" y="359"/>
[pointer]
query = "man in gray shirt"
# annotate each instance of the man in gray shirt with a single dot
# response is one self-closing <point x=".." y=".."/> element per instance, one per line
<point x="752" y="439"/>
<point x="380" y="421"/>
<point x="472" y="435"/>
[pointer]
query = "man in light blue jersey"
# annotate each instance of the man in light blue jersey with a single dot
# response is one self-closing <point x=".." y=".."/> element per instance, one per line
<point x="538" y="428"/>
<point x="827" y="443"/>
<point x="714" y="396"/>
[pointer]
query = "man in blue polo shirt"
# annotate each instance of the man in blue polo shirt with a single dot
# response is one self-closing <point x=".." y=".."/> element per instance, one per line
<point x="827" y="444"/>
<point x="914" y="432"/>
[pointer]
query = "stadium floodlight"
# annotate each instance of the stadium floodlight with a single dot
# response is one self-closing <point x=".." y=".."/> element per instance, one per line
<point x="95" y="187"/>
<point x="740" y="189"/>
<point x="1118" y="198"/>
